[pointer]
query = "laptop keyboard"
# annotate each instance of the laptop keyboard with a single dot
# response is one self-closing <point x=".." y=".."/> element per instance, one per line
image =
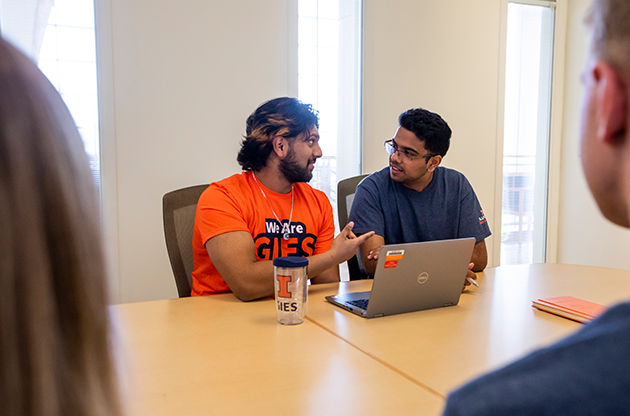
<point x="361" y="303"/>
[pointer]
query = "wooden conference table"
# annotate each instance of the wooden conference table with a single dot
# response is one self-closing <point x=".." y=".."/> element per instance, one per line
<point x="217" y="355"/>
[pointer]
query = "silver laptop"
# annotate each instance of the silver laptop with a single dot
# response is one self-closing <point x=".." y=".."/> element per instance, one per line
<point x="412" y="277"/>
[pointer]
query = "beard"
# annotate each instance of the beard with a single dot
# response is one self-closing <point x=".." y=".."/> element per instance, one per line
<point x="293" y="171"/>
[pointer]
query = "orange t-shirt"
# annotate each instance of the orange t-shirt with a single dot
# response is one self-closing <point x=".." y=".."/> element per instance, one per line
<point x="236" y="203"/>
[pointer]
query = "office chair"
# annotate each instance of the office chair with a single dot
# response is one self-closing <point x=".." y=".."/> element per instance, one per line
<point x="345" y="195"/>
<point x="178" y="209"/>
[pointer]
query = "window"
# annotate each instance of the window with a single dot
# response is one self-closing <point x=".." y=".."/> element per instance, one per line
<point x="59" y="36"/>
<point x="529" y="57"/>
<point x="329" y="78"/>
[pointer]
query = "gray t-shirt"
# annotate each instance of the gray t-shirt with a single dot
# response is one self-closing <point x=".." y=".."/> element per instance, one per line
<point x="448" y="208"/>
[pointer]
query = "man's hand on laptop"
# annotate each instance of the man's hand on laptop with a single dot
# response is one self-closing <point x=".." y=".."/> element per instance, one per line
<point x="469" y="275"/>
<point x="373" y="255"/>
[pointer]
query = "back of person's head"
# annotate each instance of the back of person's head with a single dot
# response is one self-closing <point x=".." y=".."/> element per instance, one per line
<point x="610" y="23"/>
<point x="285" y="116"/>
<point x="428" y="127"/>
<point x="55" y="357"/>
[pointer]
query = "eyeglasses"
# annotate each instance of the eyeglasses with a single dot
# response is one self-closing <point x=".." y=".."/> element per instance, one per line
<point x="405" y="155"/>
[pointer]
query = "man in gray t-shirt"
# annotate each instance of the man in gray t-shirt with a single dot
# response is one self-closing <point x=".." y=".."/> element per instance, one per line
<point x="414" y="199"/>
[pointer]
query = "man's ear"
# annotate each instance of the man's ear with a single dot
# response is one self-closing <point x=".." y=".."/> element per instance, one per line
<point x="612" y="104"/>
<point x="280" y="146"/>
<point x="434" y="162"/>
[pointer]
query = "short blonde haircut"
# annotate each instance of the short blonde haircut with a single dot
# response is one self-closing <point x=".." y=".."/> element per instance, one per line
<point x="610" y="24"/>
<point x="55" y="355"/>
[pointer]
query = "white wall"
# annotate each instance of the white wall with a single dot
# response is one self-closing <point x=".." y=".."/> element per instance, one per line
<point x="179" y="79"/>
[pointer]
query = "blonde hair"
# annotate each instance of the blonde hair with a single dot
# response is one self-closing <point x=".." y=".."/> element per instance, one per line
<point x="610" y="24"/>
<point x="55" y="357"/>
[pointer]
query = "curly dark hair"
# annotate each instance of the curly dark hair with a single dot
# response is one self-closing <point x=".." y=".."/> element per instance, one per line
<point x="284" y="116"/>
<point x="429" y="128"/>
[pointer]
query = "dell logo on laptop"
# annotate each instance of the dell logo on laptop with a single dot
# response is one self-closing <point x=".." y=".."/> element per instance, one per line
<point x="424" y="276"/>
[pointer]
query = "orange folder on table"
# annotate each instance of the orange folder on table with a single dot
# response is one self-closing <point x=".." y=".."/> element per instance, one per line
<point x="569" y="307"/>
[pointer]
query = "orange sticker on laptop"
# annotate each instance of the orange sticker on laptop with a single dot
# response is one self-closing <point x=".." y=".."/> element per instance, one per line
<point x="390" y="264"/>
<point x="394" y="255"/>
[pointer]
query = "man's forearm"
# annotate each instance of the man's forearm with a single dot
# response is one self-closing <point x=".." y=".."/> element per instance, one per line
<point x="369" y="253"/>
<point x="480" y="256"/>
<point x="255" y="280"/>
<point x="250" y="282"/>
<point x="369" y="265"/>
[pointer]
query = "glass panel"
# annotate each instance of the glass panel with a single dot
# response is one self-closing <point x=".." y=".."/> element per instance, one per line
<point x="328" y="33"/>
<point x="59" y="36"/>
<point x="329" y="62"/>
<point x="529" y="53"/>
<point x="307" y="31"/>
<point x="307" y="8"/>
<point x="307" y="85"/>
<point x="329" y="78"/>
<point x="328" y="9"/>
<point x="307" y="61"/>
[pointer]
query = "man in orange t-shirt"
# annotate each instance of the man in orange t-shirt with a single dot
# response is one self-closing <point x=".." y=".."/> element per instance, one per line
<point x="248" y="219"/>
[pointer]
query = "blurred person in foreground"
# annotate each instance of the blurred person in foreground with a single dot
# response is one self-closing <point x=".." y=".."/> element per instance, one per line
<point x="55" y="357"/>
<point x="587" y="373"/>
<point x="269" y="210"/>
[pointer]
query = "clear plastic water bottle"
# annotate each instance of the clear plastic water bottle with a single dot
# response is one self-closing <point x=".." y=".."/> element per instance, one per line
<point x="291" y="289"/>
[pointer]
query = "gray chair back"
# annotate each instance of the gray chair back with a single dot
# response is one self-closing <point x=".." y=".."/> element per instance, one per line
<point x="178" y="210"/>
<point x="345" y="195"/>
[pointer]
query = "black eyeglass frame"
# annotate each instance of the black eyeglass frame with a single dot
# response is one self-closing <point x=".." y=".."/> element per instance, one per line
<point x="391" y="147"/>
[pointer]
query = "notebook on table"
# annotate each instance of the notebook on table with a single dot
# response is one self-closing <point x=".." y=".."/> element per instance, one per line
<point x="412" y="277"/>
<point x="569" y="307"/>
